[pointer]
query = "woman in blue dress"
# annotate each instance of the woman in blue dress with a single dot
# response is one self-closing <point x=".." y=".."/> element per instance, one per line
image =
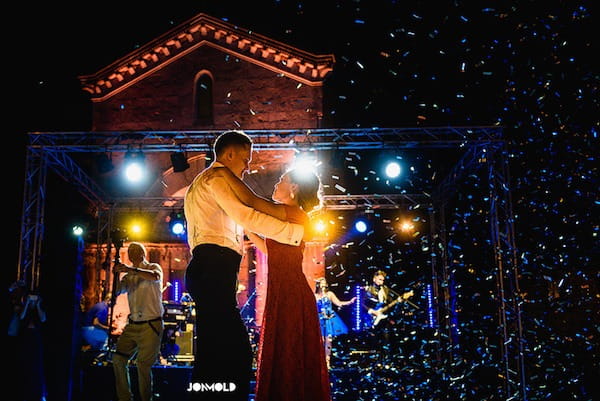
<point x="331" y="323"/>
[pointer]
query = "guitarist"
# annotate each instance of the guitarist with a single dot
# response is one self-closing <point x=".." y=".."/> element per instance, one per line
<point x="376" y="297"/>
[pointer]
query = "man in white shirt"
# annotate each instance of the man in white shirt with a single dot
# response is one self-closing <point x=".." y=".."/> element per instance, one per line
<point x="143" y="333"/>
<point x="216" y="220"/>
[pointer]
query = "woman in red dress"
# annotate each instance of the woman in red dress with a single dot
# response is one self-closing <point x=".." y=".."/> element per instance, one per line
<point x="291" y="357"/>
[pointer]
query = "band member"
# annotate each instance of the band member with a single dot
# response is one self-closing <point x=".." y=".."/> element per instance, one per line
<point x="95" y="329"/>
<point x="332" y="324"/>
<point x="379" y="300"/>
<point x="142" y="335"/>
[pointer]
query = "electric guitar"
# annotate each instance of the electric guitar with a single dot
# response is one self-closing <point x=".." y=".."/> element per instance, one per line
<point x="379" y="313"/>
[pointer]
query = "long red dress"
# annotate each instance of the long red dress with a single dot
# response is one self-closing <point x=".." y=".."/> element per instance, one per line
<point x="291" y="356"/>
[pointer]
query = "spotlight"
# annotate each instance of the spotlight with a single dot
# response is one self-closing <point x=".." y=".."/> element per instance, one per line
<point x="178" y="228"/>
<point x="78" y="230"/>
<point x="134" y="166"/>
<point x="136" y="228"/>
<point x="361" y="226"/>
<point x="364" y="221"/>
<point x="320" y="226"/>
<point x="392" y="170"/>
<point x="306" y="162"/>
<point x="407" y="227"/>
<point x="179" y="162"/>
<point x="176" y="223"/>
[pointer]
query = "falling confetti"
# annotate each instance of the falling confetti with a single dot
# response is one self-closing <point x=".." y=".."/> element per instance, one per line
<point x="523" y="66"/>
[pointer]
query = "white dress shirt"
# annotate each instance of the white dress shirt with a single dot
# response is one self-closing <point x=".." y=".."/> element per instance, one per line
<point x="215" y="215"/>
<point x="144" y="296"/>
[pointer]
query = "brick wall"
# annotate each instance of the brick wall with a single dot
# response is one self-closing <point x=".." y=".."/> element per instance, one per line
<point x="245" y="96"/>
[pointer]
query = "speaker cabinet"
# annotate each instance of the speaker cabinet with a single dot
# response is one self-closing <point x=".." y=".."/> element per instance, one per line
<point x="185" y="342"/>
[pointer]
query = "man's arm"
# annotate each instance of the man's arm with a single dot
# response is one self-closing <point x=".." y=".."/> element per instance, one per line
<point x="246" y="195"/>
<point x="97" y="323"/>
<point x="253" y="220"/>
<point x="151" y="273"/>
<point x="368" y="303"/>
<point x="191" y="227"/>
<point x="258" y="241"/>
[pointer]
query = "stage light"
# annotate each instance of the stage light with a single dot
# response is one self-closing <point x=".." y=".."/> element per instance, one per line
<point x="361" y="225"/>
<point x="407" y="226"/>
<point x="179" y="162"/>
<point x="177" y="291"/>
<point x="178" y="228"/>
<point x="135" y="166"/>
<point x="176" y="222"/>
<point x="320" y="226"/>
<point x="78" y="230"/>
<point x="357" y="309"/>
<point x="392" y="170"/>
<point x="137" y="227"/>
<point x="430" y="307"/>
<point x="306" y="162"/>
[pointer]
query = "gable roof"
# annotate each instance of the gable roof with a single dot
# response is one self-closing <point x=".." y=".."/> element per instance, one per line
<point x="205" y="30"/>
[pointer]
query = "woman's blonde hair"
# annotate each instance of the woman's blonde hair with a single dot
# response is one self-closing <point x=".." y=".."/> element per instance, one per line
<point x="318" y="284"/>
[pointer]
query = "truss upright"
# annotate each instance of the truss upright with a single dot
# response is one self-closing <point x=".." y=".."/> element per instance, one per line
<point x="507" y="273"/>
<point x="32" y="218"/>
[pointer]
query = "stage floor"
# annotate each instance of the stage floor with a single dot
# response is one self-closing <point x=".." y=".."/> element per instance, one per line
<point x="171" y="383"/>
<point x="358" y="371"/>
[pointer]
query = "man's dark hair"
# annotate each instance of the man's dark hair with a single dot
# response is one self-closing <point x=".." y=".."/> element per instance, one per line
<point x="230" y="138"/>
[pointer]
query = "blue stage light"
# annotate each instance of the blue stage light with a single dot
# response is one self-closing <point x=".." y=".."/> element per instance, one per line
<point x="177" y="223"/>
<point x="135" y="167"/>
<point x="361" y="226"/>
<point x="392" y="170"/>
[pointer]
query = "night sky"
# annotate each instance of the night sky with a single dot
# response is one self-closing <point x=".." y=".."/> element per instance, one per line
<point x="524" y="65"/>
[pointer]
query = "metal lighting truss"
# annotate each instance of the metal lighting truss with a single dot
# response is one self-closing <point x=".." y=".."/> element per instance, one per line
<point x="507" y="282"/>
<point x="322" y="138"/>
<point x="482" y="146"/>
<point x="502" y="236"/>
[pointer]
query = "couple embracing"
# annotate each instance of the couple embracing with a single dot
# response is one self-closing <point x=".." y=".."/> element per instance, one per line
<point x="219" y="207"/>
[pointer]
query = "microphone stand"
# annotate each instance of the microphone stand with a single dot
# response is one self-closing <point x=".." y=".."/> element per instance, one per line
<point x="118" y="245"/>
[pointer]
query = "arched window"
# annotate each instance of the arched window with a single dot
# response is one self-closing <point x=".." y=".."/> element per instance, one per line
<point x="204" y="99"/>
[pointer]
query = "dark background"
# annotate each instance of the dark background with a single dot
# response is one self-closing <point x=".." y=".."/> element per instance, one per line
<point x="525" y="65"/>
